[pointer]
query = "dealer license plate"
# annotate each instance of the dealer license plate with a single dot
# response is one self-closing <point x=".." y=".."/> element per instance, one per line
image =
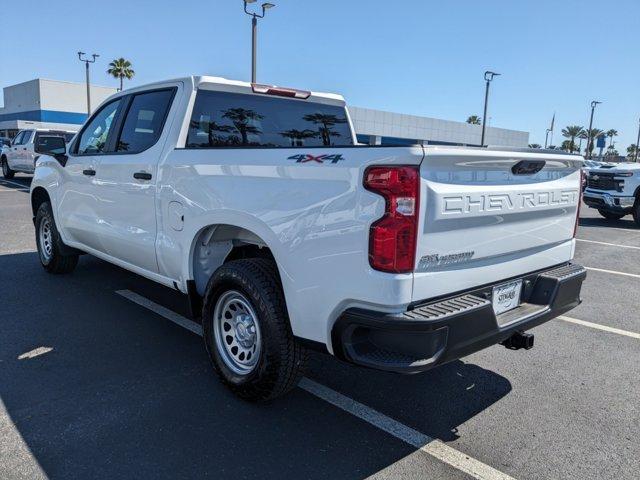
<point x="506" y="297"/>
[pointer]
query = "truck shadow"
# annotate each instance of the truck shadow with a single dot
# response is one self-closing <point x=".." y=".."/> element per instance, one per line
<point x="625" y="222"/>
<point x="124" y="393"/>
<point x="435" y="402"/>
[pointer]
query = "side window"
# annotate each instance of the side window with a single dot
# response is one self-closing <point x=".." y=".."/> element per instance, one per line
<point x="26" y="137"/>
<point x="93" y="139"/>
<point x="18" y="138"/>
<point x="144" y="120"/>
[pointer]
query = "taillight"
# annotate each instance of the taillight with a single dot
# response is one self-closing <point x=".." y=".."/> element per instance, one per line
<point x="583" y="177"/>
<point x="392" y="238"/>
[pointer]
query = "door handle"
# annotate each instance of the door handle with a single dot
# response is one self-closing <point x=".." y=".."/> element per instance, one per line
<point x="89" y="172"/>
<point x="142" y="176"/>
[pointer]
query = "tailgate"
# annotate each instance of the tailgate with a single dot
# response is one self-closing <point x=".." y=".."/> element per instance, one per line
<point x="485" y="217"/>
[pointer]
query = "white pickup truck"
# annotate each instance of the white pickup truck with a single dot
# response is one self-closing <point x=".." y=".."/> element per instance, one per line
<point x="614" y="190"/>
<point x="286" y="235"/>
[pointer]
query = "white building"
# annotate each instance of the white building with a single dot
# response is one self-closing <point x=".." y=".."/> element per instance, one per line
<point x="47" y="104"/>
<point x="63" y="105"/>
<point x="376" y="127"/>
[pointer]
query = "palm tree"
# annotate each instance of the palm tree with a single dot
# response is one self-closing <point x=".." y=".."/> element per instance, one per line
<point x="297" y="136"/>
<point x="611" y="133"/>
<point x="241" y="119"/>
<point x="326" y="122"/>
<point x="121" y="68"/>
<point x="593" y="134"/>
<point x="474" y="120"/>
<point x="632" y="152"/>
<point x="582" y="136"/>
<point x="571" y="132"/>
<point x="535" y="145"/>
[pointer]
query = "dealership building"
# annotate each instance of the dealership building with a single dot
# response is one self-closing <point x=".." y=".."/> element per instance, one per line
<point x="62" y="105"/>
<point x="44" y="103"/>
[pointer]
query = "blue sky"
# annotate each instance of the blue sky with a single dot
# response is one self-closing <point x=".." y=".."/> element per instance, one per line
<point x="419" y="57"/>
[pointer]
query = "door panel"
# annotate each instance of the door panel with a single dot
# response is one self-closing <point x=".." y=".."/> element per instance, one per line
<point x="126" y="181"/>
<point x="78" y="206"/>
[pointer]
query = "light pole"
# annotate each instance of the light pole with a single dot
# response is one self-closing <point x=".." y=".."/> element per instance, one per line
<point x="254" y="33"/>
<point x="589" y="139"/>
<point x="638" y="142"/>
<point x="488" y="76"/>
<point x="86" y="63"/>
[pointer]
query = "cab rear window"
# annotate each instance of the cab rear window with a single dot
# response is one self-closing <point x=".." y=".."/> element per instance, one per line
<point x="223" y="119"/>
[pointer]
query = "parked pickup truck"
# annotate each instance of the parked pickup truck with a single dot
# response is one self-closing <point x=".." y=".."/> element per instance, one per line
<point x="614" y="190"/>
<point x="286" y="235"/>
<point x="26" y="148"/>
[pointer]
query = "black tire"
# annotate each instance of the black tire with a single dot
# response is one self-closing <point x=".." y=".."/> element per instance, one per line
<point x="281" y="360"/>
<point x="51" y="256"/>
<point x="612" y="216"/>
<point x="6" y="170"/>
<point x="636" y="213"/>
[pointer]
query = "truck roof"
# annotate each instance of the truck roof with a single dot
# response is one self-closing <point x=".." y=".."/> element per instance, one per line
<point x="224" y="84"/>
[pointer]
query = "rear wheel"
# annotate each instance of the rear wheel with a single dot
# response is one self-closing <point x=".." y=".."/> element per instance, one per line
<point x="612" y="216"/>
<point x="49" y="243"/>
<point x="247" y="333"/>
<point x="6" y="169"/>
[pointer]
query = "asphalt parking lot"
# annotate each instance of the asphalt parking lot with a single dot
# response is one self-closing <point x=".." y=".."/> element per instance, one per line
<point x="97" y="381"/>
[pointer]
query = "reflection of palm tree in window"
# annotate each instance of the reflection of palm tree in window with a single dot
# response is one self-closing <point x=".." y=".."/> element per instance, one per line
<point x="241" y="119"/>
<point x="297" y="136"/>
<point x="325" y="124"/>
<point x="211" y="128"/>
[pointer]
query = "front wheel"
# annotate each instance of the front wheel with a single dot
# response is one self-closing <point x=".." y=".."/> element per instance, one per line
<point x="247" y="333"/>
<point x="636" y="213"/>
<point x="49" y="243"/>
<point x="610" y="215"/>
<point x="6" y="169"/>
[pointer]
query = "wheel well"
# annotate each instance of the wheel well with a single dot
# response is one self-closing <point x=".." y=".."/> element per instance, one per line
<point x="216" y="245"/>
<point x="38" y="197"/>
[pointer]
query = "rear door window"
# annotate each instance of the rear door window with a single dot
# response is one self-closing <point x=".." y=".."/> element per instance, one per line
<point x="26" y="137"/>
<point x="144" y="120"/>
<point x="223" y="119"/>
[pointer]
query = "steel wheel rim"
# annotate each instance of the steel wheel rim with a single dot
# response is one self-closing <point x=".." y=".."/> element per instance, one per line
<point x="45" y="239"/>
<point x="237" y="332"/>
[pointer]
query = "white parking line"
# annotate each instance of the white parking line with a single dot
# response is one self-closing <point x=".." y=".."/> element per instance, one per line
<point x="608" y="244"/>
<point x="162" y="311"/>
<point x="431" y="446"/>
<point x="604" y="328"/>
<point x="614" y="272"/>
<point x="36" y="352"/>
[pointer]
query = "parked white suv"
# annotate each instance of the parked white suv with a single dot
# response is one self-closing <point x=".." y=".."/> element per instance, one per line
<point x="255" y="201"/>
<point x="25" y="149"/>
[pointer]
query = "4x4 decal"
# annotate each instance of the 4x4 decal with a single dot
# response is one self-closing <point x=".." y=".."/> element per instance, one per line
<point x="306" y="157"/>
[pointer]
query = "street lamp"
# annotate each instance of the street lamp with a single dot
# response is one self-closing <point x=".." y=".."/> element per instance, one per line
<point x="589" y="139"/>
<point x="86" y="63"/>
<point x="254" y="32"/>
<point x="488" y="76"/>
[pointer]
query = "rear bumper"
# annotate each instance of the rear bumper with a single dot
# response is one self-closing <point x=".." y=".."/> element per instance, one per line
<point x="433" y="333"/>
<point x="608" y="202"/>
